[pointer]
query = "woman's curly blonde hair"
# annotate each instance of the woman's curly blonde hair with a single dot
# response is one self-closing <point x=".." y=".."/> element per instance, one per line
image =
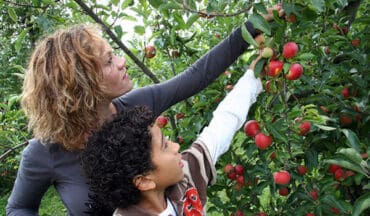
<point x="62" y="86"/>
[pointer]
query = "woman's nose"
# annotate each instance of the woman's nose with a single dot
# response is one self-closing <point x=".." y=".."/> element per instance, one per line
<point x="121" y="62"/>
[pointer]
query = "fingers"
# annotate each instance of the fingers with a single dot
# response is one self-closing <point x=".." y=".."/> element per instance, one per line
<point x="278" y="7"/>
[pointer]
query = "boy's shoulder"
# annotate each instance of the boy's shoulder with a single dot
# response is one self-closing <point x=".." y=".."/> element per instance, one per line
<point x="198" y="161"/>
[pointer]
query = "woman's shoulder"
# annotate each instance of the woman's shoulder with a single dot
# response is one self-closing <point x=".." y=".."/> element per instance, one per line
<point x="35" y="149"/>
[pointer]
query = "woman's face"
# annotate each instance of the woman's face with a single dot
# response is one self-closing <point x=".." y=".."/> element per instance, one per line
<point x="115" y="76"/>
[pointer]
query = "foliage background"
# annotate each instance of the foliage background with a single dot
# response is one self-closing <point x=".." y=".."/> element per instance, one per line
<point x="192" y="28"/>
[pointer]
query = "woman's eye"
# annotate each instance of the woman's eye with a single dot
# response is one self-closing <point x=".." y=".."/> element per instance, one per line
<point x="109" y="61"/>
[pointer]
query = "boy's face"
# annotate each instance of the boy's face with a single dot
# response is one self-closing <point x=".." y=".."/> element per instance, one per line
<point x="166" y="159"/>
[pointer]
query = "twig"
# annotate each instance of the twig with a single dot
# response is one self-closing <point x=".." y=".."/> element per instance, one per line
<point x="211" y="15"/>
<point x="117" y="41"/>
<point x="3" y="156"/>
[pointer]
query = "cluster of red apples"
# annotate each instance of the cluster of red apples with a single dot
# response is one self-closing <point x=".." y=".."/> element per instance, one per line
<point x="235" y="173"/>
<point x="263" y="141"/>
<point x="275" y="66"/>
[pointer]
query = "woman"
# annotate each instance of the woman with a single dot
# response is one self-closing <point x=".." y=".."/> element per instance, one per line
<point x="73" y="84"/>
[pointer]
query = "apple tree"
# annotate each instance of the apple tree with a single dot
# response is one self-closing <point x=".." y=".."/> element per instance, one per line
<point x="306" y="150"/>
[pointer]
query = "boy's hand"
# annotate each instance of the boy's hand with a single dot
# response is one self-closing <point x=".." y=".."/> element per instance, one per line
<point x="269" y="16"/>
<point x="254" y="62"/>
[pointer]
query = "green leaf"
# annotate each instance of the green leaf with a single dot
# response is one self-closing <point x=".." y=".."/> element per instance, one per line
<point x="362" y="203"/>
<point x="319" y="5"/>
<point x="155" y="3"/>
<point x="179" y="20"/>
<point x="311" y="158"/>
<point x="171" y="5"/>
<point x="325" y="128"/>
<point x="260" y="23"/>
<point x="125" y="4"/>
<point x="139" y="29"/>
<point x="118" y="31"/>
<point x="306" y="56"/>
<point x="346" y="164"/>
<point x="12" y="14"/>
<point x="114" y="2"/>
<point x="353" y="140"/>
<point x="342" y="3"/>
<point x="18" y="42"/>
<point x="351" y="154"/>
<point x="275" y="133"/>
<point x="191" y="20"/>
<point x="259" y="67"/>
<point x="248" y="37"/>
<point x="331" y="200"/>
<point x="366" y="187"/>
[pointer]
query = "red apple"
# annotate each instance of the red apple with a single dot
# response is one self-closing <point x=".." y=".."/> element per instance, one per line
<point x="229" y="87"/>
<point x="281" y="177"/>
<point x="364" y="155"/>
<point x="161" y="121"/>
<point x="262" y="141"/>
<point x="180" y="116"/>
<point x="345" y="120"/>
<point x="295" y="71"/>
<point x="284" y="191"/>
<point x="150" y="51"/>
<point x="231" y="175"/>
<point x="238" y="186"/>
<point x="180" y="139"/>
<point x="324" y="109"/>
<point x="251" y="128"/>
<point x="339" y="175"/>
<point x="290" y="50"/>
<point x="302" y="170"/>
<point x="291" y="18"/>
<point x="273" y="156"/>
<point x="345" y="92"/>
<point x="335" y="210"/>
<point x="304" y="128"/>
<point x="239" y="169"/>
<point x="314" y="194"/>
<point x="240" y="179"/>
<point x="275" y="68"/>
<point x="355" y="42"/>
<point x="327" y="50"/>
<point x="217" y="35"/>
<point x="229" y="168"/>
<point x="268" y="86"/>
<point x="333" y="168"/>
<point x="239" y="213"/>
<point x="267" y="52"/>
<point x="310" y="214"/>
<point x="261" y="214"/>
<point x="349" y="173"/>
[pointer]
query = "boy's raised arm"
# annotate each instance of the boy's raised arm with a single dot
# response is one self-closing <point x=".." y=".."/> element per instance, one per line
<point x="230" y="115"/>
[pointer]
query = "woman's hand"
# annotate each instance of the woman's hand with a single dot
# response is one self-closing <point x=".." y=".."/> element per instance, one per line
<point x="269" y="16"/>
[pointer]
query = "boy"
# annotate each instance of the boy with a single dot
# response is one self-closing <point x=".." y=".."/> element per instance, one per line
<point x="134" y="169"/>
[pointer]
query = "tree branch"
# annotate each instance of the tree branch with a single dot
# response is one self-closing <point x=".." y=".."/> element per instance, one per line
<point x="211" y="15"/>
<point x="5" y="155"/>
<point x="89" y="12"/>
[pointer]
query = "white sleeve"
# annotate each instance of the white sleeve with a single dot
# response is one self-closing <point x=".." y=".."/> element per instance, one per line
<point x="230" y="114"/>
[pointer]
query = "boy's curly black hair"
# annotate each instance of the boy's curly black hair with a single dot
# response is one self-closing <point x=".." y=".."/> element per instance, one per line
<point x="114" y="155"/>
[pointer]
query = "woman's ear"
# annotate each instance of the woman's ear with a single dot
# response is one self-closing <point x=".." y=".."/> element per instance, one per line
<point x="144" y="183"/>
